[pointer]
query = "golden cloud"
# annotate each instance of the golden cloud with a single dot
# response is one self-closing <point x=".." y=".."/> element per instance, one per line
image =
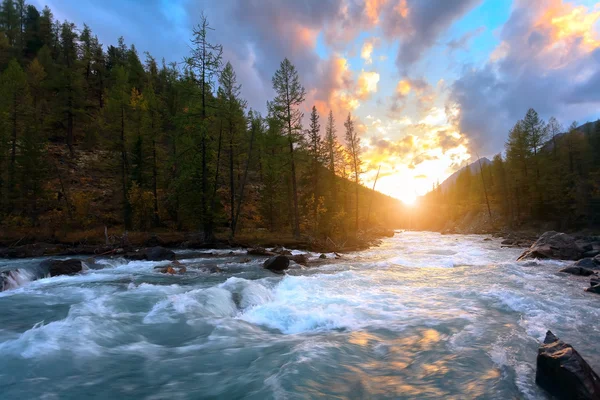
<point x="366" y="84"/>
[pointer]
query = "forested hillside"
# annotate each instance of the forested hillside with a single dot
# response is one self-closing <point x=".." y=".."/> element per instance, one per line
<point x="548" y="176"/>
<point x="95" y="136"/>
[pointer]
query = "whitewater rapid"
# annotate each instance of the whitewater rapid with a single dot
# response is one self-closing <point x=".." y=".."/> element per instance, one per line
<point x="421" y="316"/>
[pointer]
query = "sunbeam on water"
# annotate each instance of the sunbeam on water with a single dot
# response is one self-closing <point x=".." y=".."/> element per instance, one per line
<point x="422" y="316"/>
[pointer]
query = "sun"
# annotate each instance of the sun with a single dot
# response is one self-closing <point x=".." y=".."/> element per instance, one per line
<point x="408" y="198"/>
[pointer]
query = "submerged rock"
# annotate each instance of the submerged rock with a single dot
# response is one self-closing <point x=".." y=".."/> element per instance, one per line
<point x="277" y="263"/>
<point x="63" y="267"/>
<point x="564" y="373"/>
<point x="555" y="245"/>
<point x="574" y="270"/>
<point x="151" y="254"/>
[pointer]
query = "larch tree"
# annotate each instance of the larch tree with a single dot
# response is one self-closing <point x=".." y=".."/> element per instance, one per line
<point x="353" y="146"/>
<point x="233" y="107"/>
<point x="285" y="106"/>
<point x="205" y="61"/>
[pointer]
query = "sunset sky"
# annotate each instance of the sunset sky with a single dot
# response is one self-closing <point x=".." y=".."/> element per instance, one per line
<point x="430" y="83"/>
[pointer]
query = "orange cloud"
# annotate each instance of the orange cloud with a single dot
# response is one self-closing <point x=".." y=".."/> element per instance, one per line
<point x="373" y="9"/>
<point x="367" y="84"/>
<point x="403" y="87"/>
<point x="366" y="52"/>
<point x="568" y="22"/>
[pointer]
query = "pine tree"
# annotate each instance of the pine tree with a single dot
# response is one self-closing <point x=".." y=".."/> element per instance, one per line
<point x="289" y="96"/>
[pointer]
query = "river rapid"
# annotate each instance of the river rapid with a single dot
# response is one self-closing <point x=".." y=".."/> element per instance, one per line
<point x="422" y="316"/>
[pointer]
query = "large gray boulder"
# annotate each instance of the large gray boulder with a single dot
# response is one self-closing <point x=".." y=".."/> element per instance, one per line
<point x="564" y="373"/>
<point x="555" y="245"/>
<point x="277" y="264"/>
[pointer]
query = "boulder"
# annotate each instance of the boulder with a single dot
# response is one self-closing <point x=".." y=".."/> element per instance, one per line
<point x="301" y="259"/>
<point x="591" y="253"/>
<point x="260" y="251"/>
<point x="594" y="280"/>
<point x="508" y="242"/>
<point x="564" y="373"/>
<point x="323" y="256"/>
<point x="63" y="267"/>
<point x="588" y="263"/>
<point x="277" y="263"/>
<point x="555" y="245"/>
<point x="156" y="253"/>
<point x="593" y="289"/>
<point x="574" y="270"/>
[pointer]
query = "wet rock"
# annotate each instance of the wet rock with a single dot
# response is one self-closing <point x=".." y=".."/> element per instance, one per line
<point x="323" y="256"/>
<point x="277" y="263"/>
<point x="508" y="242"/>
<point x="580" y="271"/>
<point x="591" y="253"/>
<point x="564" y="373"/>
<point x="63" y="267"/>
<point x="555" y="245"/>
<point x="588" y="263"/>
<point x="151" y="254"/>
<point x="593" y="289"/>
<point x="260" y="251"/>
<point x="301" y="259"/>
<point x="285" y="253"/>
<point x="167" y="270"/>
<point x="594" y="280"/>
<point x="487" y="239"/>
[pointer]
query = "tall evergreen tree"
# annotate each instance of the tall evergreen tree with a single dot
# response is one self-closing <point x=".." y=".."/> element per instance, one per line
<point x="353" y="145"/>
<point x="290" y="95"/>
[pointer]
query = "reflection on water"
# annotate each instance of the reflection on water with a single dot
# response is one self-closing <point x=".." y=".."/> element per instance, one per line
<point x="422" y="316"/>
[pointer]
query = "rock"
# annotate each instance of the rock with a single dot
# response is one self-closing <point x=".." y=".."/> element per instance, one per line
<point x="182" y="270"/>
<point x="509" y="242"/>
<point x="63" y="267"/>
<point x="323" y="256"/>
<point x="151" y="254"/>
<point x="554" y="245"/>
<point x="487" y="239"/>
<point x="591" y="253"/>
<point x="593" y="289"/>
<point x="594" y="280"/>
<point x="301" y="259"/>
<point x="588" y="263"/>
<point x="259" y="251"/>
<point x="564" y="373"/>
<point x="277" y="263"/>
<point x="285" y="253"/>
<point x="574" y="270"/>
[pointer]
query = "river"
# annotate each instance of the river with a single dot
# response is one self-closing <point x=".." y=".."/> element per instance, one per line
<point x="421" y="316"/>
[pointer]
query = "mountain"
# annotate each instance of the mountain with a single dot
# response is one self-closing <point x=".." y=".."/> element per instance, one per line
<point x="474" y="167"/>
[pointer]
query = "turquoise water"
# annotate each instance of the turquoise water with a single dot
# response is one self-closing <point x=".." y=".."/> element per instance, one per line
<point x="422" y="316"/>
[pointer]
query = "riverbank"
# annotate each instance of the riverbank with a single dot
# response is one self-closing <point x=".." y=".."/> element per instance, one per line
<point x="100" y="242"/>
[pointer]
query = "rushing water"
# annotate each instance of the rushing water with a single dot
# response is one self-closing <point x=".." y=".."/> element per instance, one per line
<point x="422" y="316"/>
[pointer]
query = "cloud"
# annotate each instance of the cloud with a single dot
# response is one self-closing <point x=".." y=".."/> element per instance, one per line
<point x="462" y="43"/>
<point x="419" y="23"/>
<point x="367" y="84"/>
<point x="548" y="59"/>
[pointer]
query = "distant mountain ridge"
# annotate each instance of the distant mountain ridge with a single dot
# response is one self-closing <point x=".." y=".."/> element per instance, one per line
<point x="473" y="167"/>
